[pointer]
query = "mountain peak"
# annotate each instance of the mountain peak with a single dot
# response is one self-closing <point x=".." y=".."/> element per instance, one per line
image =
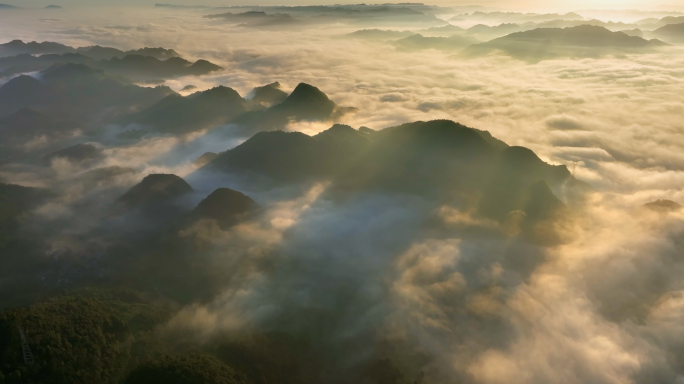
<point x="159" y="53"/>
<point x="155" y="188"/>
<point x="16" y="43"/>
<point x="219" y="92"/>
<point x="305" y="92"/>
<point x="23" y="82"/>
<point x="223" y="205"/>
<point x="308" y="102"/>
<point x="338" y="130"/>
<point x="268" y="94"/>
<point x="342" y="133"/>
<point x="204" y="66"/>
<point x="22" y="87"/>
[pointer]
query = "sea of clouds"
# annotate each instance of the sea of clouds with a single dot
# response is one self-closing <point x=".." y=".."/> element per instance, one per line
<point x="467" y="302"/>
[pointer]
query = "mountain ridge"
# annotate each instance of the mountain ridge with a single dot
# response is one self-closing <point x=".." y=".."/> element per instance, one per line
<point x="548" y="43"/>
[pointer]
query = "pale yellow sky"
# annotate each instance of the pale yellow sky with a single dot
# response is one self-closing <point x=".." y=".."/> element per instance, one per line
<point x="538" y="5"/>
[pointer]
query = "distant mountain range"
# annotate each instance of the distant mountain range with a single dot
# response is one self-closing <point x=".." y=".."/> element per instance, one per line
<point x="142" y="64"/>
<point x="257" y="19"/>
<point x="486" y="32"/>
<point x="441" y="160"/>
<point x="223" y="105"/>
<point x="260" y="17"/>
<point x="305" y="103"/>
<point x="547" y="43"/>
<point x="268" y="95"/>
<point x="135" y="67"/>
<point x="519" y="17"/>
<point x="672" y="33"/>
<point x="76" y="92"/>
<point x="18" y="47"/>
<point x="178" y="114"/>
<point x="445" y="31"/>
<point x="7" y="6"/>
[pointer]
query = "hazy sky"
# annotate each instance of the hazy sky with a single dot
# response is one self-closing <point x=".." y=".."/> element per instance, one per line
<point x="517" y="4"/>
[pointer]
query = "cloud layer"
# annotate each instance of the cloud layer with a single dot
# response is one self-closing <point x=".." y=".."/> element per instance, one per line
<point x="441" y="291"/>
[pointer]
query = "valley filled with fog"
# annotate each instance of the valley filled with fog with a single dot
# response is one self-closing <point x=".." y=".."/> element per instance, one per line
<point x="387" y="194"/>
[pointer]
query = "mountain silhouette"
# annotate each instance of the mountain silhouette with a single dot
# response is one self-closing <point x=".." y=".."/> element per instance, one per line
<point x="445" y="31"/>
<point x="224" y="205"/>
<point x="178" y="114"/>
<point x="376" y="15"/>
<point x="157" y="202"/>
<point x="486" y="32"/>
<point x="673" y="33"/>
<point x="76" y="92"/>
<point x="18" y="47"/>
<point x="107" y="53"/>
<point x="294" y="156"/>
<point x="519" y="17"/>
<point x="305" y="103"/>
<point x="201" y="67"/>
<point x="155" y="188"/>
<point x="20" y="91"/>
<point x="268" y="94"/>
<point x="157" y="53"/>
<point x="26" y="63"/>
<point x="148" y="67"/>
<point x="135" y="67"/>
<point x="257" y="19"/>
<point x="441" y="160"/>
<point x="72" y="72"/>
<point x="582" y="41"/>
<point x="97" y="52"/>
<point x="671" y="20"/>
